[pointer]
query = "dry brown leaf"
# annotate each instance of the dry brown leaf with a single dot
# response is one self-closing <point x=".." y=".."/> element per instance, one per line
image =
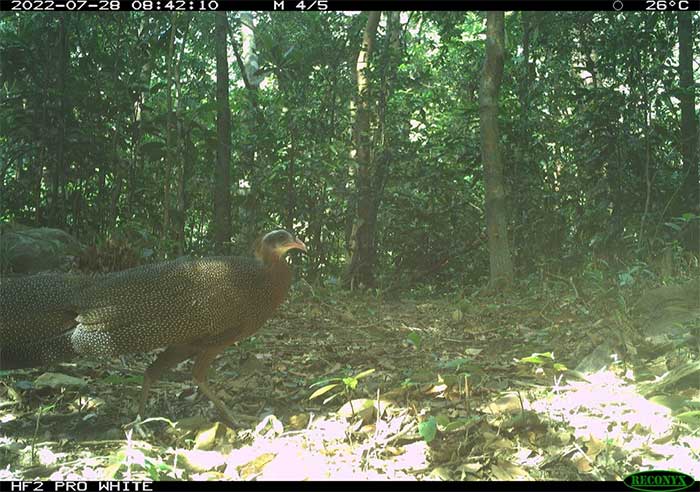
<point x="505" y="470"/>
<point x="508" y="404"/>
<point x="255" y="466"/>
<point x="208" y="438"/>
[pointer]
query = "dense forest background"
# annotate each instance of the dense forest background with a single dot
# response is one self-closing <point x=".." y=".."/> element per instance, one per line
<point x="114" y="128"/>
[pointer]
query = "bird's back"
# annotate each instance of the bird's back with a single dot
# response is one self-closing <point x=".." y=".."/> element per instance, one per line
<point x="186" y="301"/>
<point x="49" y="318"/>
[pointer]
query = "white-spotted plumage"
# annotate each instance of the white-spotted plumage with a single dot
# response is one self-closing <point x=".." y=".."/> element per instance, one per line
<point x="202" y="302"/>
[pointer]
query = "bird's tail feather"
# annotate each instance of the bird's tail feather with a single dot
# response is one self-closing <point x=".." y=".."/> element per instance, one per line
<point x="40" y="353"/>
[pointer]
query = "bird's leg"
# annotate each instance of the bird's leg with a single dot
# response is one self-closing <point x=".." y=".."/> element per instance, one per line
<point x="199" y="373"/>
<point x="165" y="360"/>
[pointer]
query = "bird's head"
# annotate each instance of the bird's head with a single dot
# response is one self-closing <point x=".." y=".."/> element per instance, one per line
<point x="274" y="245"/>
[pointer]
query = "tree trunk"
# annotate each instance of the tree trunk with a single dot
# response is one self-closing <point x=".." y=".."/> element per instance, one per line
<point x="143" y="77"/>
<point x="169" y="131"/>
<point x="183" y="171"/>
<point x="248" y="52"/>
<point x="362" y="247"/>
<point x="291" y="172"/>
<point x="496" y="224"/>
<point x="188" y="157"/>
<point x="248" y="64"/>
<point x="222" y="172"/>
<point x="522" y="169"/>
<point x="38" y="216"/>
<point x="58" y="218"/>
<point x="689" y="132"/>
<point x="689" y="201"/>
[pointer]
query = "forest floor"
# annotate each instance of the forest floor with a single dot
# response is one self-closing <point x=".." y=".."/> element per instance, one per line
<point x="347" y="385"/>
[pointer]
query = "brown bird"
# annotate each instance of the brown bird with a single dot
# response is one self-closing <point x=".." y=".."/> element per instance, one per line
<point x="194" y="308"/>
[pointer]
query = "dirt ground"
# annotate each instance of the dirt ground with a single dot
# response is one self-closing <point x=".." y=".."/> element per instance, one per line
<point x="347" y="385"/>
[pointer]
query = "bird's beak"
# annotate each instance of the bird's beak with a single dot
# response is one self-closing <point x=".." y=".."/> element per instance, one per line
<point x="298" y="244"/>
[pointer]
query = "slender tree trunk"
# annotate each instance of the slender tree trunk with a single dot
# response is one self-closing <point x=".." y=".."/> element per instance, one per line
<point x="38" y="216"/>
<point x="189" y="156"/>
<point x="58" y="211"/>
<point x="289" y="210"/>
<point x="496" y="219"/>
<point x="180" y="207"/>
<point x="646" y="163"/>
<point x="222" y="172"/>
<point x="169" y="131"/>
<point x="362" y="252"/>
<point x="118" y="179"/>
<point x="248" y="64"/>
<point x="390" y="65"/>
<point x="689" y="201"/>
<point x="118" y="170"/>
<point x="522" y="168"/>
<point x="102" y="195"/>
<point x="689" y="120"/>
<point x="143" y="77"/>
<point x="78" y="193"/>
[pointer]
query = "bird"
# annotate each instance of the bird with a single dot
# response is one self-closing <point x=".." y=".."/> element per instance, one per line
<point x="194" y="308"/>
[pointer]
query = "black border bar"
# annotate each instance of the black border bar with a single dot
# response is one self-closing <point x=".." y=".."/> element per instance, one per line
<point x="349" y="5"/>
<point x="126" y="486"/>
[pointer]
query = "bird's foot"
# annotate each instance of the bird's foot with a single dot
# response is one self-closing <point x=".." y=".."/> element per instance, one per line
<point x="224" y="413"/>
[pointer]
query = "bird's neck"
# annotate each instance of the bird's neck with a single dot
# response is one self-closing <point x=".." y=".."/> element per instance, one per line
<point x="280" y="275"/>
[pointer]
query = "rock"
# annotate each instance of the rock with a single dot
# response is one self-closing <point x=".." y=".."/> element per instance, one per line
<point x="57" y="380"/>
<point x="32" y="250"/>
<point x="666" y="308"/>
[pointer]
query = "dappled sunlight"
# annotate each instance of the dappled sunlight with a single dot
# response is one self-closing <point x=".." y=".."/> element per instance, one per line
<point x="608" y="413"/>
<point x="426" y="399"/>
<point x="320" y="452"/>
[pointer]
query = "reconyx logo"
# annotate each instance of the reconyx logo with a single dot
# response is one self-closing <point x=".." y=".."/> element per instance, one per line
<point x="655" y="480"/>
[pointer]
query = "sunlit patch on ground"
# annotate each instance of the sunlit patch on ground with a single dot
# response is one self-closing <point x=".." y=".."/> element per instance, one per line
<point x="609" y="416"/>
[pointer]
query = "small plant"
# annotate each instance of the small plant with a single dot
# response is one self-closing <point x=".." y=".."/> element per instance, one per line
<point x="678" y="223"/>
<point x="349" y="384"/>
<point x="414" y="339"/>
<point x="544" y="360"/>
<point x="429" y="428"/>
<point x="130" y="462"/>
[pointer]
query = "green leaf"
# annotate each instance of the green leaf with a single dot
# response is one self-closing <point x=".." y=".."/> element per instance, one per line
<point x="428" y="429"/>
<point x="442" y="420"/>
<point x="322" y="390"/>
<point x="365" y="373"/>
<point x="625" y="279"/>
<point x="538" y="358"/>
<point x="414" y="339"/>
<point x="691" y="418"/>
<point x="460" y="424"/>
<point x="326" y="381"/>
<point x="331" y="398"/>
<point x="673" y="402"/>
<point x="350" y="382"/>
